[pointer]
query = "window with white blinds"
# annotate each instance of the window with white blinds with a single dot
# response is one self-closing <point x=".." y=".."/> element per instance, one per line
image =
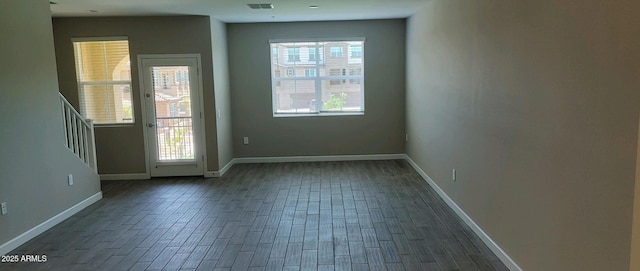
<point x="103" y="70"/>
<point x="315" y="77"/>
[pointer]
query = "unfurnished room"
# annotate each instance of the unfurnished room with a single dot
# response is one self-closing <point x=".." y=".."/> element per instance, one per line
<point x="320" y="135"/>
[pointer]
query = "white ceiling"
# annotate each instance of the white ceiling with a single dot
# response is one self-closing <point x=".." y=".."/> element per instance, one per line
<point x="234" y="11"/>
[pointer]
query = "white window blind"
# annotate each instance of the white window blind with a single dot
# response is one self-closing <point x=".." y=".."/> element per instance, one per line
<point x="103" y="70"/>
<point x="315" y="84"/>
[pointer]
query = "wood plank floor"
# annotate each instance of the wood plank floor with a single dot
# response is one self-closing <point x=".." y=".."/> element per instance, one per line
<point x="360" y="215"/>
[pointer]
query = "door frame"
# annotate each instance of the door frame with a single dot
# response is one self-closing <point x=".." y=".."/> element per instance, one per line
<point x="202" y="134"/>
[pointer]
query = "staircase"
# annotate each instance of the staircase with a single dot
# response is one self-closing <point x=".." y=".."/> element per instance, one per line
<point x="79" y="134"/>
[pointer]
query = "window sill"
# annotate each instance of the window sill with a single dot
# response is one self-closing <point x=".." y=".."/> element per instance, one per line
<point x="113" y="125"/>
<point x="323" y="114"/>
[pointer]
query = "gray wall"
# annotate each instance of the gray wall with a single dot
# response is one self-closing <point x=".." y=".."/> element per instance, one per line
<point x="222" y="91"/>
<point x="121" y="149"/>
<point x="635" y="236"/>
<point x="535" y="103"/>
<point x="380" y="130"/>
<point x="34" y="162"/>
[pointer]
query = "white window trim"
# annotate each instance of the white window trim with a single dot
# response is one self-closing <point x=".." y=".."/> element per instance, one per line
<point x="317" y="39"/>
<point x="114" y="38"/>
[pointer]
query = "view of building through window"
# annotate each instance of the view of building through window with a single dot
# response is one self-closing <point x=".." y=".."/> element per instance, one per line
<point x="174" y="121"/>
<point x="103" y="70"/>
<point x="315" y="77"/>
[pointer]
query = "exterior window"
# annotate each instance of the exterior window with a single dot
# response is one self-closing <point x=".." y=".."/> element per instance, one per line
<point x="353" y="72"/>
<point x="181" y="77"/>
<point x="356" y="51"/>
<point x="104" y="80"/>
<point x="277" y="75"/>
<point x="336" y="51"/>
<point x="309" y="72"/>
<point x="313" y="54"/>
<point x="157" y="79"/>
<point x="165" y="81"/>
<point x="274" y="53"/>
<point x="294" y="54"/>
<point x="335" y="73"/>
<point x="324" y="89"/>
<point x="173" y="109"/>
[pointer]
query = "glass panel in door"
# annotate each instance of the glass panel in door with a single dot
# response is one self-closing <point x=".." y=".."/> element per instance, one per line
<point x="174" y="121"/>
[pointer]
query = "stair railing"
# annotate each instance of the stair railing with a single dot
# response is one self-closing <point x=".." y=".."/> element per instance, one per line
<point x="79" y="134"/>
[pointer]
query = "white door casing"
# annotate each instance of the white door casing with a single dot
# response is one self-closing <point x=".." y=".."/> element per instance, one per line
<point x="172" y="103"/>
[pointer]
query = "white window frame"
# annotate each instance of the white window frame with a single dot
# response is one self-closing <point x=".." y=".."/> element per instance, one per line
<point x="318" y="77"/>
<point x="82" y="84"/>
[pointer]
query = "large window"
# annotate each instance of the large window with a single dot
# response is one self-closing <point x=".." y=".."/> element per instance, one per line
<point x="104" y="80"/>
<point x="315" y="86"/>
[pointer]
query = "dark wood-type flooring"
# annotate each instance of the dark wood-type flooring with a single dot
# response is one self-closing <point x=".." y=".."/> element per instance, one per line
<point x="360" y="215"/>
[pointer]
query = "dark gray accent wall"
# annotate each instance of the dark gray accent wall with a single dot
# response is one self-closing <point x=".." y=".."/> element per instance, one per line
<point x="380" y="131"/>
<point x="34" y="162"/>
<point x="535" y="104"/>
<point x="121" y="149"/>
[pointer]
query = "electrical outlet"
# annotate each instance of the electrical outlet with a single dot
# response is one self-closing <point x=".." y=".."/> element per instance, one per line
<point x="406" y="137"/>
<point x="3" y="207"/>
<point x="218" y="113"/>
<point x="70" y="179"/>
<point x="246" y="140"/>
<point x="453" y="175"/>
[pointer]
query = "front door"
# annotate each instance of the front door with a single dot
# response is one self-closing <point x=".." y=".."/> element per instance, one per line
<point x="171" y="94"/>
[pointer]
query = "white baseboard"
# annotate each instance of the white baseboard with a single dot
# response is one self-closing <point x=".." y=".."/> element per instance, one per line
<point x="227" y="167"/>
<point x="126" y="176"/>
<point x="42" y="227"/>
<point x="285" y="159"/>
<point x="288" y="159"/>
<point x="221" y="172"/>
<point x="508" y="262"/>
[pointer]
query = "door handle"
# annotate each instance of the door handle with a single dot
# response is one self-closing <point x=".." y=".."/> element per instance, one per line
<point x="150" y="125"/>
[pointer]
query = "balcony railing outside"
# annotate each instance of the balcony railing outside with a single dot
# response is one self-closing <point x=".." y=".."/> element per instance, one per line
<point x="175" y="138"/>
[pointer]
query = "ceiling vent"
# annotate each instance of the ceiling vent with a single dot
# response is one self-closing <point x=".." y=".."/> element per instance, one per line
<point x="260" y="6"/>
